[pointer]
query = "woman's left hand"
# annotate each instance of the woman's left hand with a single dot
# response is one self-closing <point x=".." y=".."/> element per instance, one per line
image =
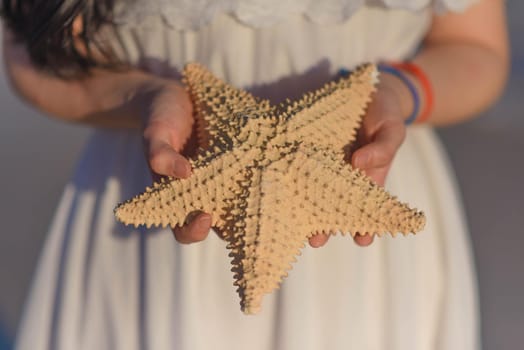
<point x="382" y="132"/>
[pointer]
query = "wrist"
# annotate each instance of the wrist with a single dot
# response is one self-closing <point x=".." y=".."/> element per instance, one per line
<point x="117" y="99"/>
<point x="398" y="91"/>
<point x="416" y="82"/>
<point x="139" y="95"/>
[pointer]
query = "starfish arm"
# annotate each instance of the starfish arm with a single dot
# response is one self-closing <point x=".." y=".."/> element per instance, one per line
<point x="221" y="109"/>
<point x="330" y="116"/>
<point x="169" y="202"/>
<point x="342" y="199"/>
<point x="271" y="238"/>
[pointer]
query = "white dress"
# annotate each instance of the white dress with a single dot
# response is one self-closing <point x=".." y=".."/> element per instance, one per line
<point x="100" y="285"/>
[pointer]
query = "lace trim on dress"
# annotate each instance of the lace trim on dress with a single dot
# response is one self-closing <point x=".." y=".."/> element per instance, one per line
<point x="193" y="14"/>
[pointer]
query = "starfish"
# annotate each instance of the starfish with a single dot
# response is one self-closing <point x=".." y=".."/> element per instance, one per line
<point x="273" y="176"/>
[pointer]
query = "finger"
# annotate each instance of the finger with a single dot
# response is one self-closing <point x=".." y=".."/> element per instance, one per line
<point x="195" y="231"/>
<point x="363" y="240"/>
<point x="171" y="117"/>
<point x="167" y="131"/>
<point x="164" y="160"/>
<point x="318" y="240"/>
<point x="381" y="150"/>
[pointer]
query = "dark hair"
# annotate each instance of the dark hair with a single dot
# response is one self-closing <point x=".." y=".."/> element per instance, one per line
<point x="45" y="27"/>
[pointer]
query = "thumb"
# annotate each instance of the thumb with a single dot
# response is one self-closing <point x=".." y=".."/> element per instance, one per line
<point x="167" y="130"/>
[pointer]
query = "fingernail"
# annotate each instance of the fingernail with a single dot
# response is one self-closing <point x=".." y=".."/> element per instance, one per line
<point x="181" y="169"/>
<point x="204" y="222"/>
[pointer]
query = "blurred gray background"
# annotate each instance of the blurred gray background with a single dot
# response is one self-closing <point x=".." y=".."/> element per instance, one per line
<point x="37" y="156"/>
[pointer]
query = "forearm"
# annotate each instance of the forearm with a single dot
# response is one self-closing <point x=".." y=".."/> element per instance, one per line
<point x="105" y="98"/>
<point x="466" y="58"/>
<point x="466" y="79"/>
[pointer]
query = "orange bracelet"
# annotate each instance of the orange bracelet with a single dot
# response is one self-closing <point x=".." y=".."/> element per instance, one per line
<point x="429" y="97"/>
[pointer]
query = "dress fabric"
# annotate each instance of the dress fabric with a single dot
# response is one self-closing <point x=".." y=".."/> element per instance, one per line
<point x="101" y="285"/>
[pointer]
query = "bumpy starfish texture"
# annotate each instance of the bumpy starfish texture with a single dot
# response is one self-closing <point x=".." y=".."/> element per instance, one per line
<point x="273" y="176"/>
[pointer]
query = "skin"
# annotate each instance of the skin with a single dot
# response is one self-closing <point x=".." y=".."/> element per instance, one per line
<point x="463" y="55"/>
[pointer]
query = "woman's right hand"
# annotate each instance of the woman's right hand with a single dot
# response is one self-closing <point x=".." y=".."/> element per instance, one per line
<point x="168" y="127"/>
<point x="116" y="99"/>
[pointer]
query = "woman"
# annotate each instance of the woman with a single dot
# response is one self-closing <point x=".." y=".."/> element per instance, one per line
<point x="102" y="286"/>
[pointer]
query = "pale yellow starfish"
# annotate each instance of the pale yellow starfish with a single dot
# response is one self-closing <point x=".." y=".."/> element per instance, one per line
<point x="272" y="177"/>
